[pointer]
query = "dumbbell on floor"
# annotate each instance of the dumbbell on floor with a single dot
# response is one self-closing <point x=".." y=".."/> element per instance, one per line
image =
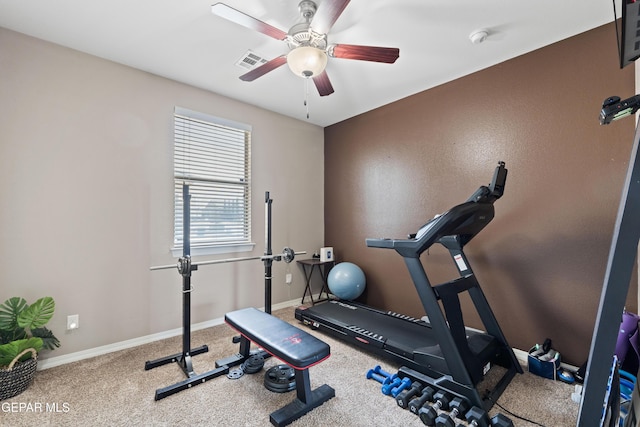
<point x="379" y="375"/>
<point x="418" y="402"/>
<point x="500" y="420"/>
<point x="378" y="370"/>
<point x="404" y="385"/>
<point x="395" y="386"/>
<point x="428" y="415"/>
<point x="457" y="408"/>
<point x="371" y="375"/>
<point x="477" y="417"/>
<point x="405" y="396"/>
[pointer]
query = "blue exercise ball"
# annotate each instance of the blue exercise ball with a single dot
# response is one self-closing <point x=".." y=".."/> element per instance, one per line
<point x="346" y="281"/>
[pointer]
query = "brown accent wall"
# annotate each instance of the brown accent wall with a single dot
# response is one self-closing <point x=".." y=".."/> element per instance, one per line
<point x="541" y="262"/>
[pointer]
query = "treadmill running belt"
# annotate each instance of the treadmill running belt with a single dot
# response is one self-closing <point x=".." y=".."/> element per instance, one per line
<point x="404" y="334"/>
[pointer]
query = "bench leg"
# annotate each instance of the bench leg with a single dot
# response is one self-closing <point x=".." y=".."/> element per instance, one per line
<point x="245" y="347"/>
<point x="243" y="354"/>
<point x="303" y="385"/>
<point x="306" y="400"/>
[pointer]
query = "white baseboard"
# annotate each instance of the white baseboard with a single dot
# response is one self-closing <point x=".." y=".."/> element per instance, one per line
<point x="522" y="356"/>
<point x="123" y="345"/>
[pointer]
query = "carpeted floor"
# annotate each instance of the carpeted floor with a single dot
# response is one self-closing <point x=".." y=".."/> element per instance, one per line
<point x="115" y="390"/>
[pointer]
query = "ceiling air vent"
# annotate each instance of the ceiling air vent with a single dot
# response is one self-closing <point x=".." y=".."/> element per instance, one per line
<point x="250" y="60"/>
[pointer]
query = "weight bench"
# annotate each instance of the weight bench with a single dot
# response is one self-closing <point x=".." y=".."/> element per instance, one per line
<point x="291" y="345"/>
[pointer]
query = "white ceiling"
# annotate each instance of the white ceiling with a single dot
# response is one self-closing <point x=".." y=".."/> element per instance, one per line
<point x="182" y="40"/>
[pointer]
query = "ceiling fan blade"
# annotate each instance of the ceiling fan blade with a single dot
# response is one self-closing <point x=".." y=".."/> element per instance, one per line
<point x="264" y="68"/>
<point x="323" y="84"/>
<point x="245" y="20"/>
<point x="365" y="53"/>
<point x="328" y="13"/>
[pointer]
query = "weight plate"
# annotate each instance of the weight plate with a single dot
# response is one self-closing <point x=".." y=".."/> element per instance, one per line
<point x="235" y="374"/>
<point x="253" y="364"/>
<point x="184" y="265"/>
<point x="288" y="255"/>
<point x="280" y="379"/>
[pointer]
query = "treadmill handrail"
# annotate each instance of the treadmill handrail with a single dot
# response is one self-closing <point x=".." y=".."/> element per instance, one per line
<point x="462" y="222"/>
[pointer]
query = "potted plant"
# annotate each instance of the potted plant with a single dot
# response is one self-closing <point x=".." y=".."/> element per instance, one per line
<point x="22" y="336"/>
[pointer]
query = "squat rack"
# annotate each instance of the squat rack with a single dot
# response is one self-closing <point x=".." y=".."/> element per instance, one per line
<point x="185" y="267"/>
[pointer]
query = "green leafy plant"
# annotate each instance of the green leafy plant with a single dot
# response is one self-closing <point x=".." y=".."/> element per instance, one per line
<point x="22" y="327"/>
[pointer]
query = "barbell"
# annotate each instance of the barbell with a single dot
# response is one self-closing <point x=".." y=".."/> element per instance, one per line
<point x="185" y="264"/>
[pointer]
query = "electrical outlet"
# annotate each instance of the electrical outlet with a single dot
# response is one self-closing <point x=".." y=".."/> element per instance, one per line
<point x="73" y="322"/>
<point x="288" y="278"/>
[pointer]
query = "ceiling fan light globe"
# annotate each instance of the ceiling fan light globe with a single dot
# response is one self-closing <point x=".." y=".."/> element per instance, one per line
<point x="307" y="61"/>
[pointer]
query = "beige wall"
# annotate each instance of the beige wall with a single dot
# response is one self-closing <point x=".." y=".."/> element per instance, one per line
<point x="541" y="262"/>
<point x="87" y="195"/>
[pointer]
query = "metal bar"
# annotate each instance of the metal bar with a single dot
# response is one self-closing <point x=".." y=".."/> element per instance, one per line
<point x="186" y="220"/>
<point x="150" y="364"/>
<point x="192" y="179"/>
<point x="185" y="359"/>
<point x="222" y="261"/>
<point x="268" y="261"/>
<point x="225" y="260"/>
<point x="193" y="381"/>
<point x="163" y="267"/>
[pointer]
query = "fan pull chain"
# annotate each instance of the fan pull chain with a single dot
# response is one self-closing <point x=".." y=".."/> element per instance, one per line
<point x="306" y="95"/>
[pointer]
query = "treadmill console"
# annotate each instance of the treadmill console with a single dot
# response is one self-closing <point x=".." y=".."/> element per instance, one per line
<point x="425" y="228"/>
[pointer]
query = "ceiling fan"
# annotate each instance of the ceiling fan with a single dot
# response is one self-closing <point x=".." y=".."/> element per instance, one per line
<point x="309" y="49"/>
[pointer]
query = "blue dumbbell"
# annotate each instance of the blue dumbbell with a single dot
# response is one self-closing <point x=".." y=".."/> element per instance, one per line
<point x="371" y="375"/>
<point x="405" y="383"/>
<point x="386" y="388"/>
<point x="381" y="376"/>
<point x="378" y="370"/>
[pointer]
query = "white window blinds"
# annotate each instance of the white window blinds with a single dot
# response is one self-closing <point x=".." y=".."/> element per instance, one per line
<point x="212" y="155"/>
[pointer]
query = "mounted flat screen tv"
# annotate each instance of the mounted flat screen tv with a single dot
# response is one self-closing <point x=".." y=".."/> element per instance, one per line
<point x="629" y="45"/>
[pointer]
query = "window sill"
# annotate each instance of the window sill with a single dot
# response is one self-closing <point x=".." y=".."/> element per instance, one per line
<point x="215" y="250"/>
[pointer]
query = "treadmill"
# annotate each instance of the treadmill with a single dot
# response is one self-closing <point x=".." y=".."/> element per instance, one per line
<point x="442" y="351"/>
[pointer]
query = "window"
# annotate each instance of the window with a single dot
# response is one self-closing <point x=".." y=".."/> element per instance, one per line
<point x="212" y="156"/>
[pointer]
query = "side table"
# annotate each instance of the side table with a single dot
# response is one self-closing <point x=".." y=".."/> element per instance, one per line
<point x="308" y="265"/>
